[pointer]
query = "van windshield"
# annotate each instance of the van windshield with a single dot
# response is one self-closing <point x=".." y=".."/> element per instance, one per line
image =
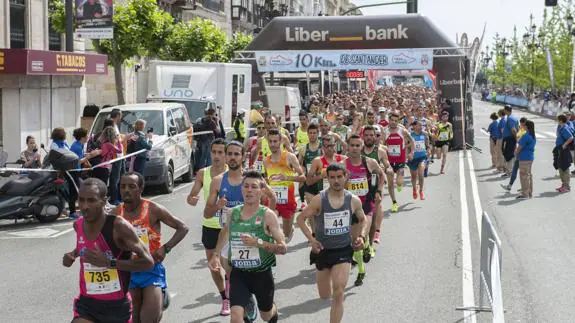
<point x="196" y="109"/>
<point x="154" y="119"/>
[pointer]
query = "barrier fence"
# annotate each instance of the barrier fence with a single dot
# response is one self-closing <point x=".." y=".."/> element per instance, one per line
<point x="489" y="273"/>
<point x="539" y="106"/>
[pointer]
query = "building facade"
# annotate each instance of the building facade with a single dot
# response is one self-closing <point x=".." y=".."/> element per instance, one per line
<point x="37" y="89"/>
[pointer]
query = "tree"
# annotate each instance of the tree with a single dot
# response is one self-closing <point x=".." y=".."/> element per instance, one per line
<point x="140" y="27"/>
<point x="238" y="42"/>
<point x="195" y="40"/>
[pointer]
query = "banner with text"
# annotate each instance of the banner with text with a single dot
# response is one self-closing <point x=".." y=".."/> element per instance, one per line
<point x="318" y="60"/>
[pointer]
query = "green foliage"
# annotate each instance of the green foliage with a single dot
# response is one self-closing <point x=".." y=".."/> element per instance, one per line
<point x="195" y="40"/>
<point x="57" y="15"/>
<point x="238" y="42"/>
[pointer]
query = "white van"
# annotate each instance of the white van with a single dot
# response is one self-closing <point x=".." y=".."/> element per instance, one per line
<point x="171" y="155"/>
<point x="285" y="101"/>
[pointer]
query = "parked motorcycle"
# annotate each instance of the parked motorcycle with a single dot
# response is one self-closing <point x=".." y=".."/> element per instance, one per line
<point x="38" y="194"/>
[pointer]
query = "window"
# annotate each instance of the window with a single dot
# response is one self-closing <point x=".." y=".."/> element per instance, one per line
<point x="54" y="38"/>
<point x="242" y="83"/>
<point x="17" y="24"/>
<point x="180" y="119"/>
<point x="154" y="119"/>
<point x="235" y="87"/>
<point x="171" y="122"/>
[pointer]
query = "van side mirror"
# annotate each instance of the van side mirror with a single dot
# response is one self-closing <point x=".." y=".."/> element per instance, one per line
<point x="172" y="130"/>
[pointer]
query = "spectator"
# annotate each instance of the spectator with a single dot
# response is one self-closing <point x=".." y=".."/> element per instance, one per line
<point x="509" y="135"/>
<point x="209" y="125"/>
<point x="562" y="158"/>
<point x="495" y="136"/>
<point x="514" y="171"/>
<point x="30" y="157"/>
<point x="571" y="103"/>
<point x="109" y="150"/>
<point x="81" y="136"/>
<point x="239" y="126"/>
<point x="138" y="141"/>
<point x="59" y="142"/>
<point x="525" y="153"/>
<point x="119" y="167"/>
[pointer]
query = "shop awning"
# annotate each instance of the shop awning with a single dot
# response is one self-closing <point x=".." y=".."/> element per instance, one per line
<point x="42" y="62"/>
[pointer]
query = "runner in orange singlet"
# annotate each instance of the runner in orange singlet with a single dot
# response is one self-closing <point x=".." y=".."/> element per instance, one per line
<point x="146" y="288"/>
<point x="283" y="169"/>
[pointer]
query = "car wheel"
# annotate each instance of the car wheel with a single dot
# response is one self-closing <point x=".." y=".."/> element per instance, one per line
<point x="168" y="186"/>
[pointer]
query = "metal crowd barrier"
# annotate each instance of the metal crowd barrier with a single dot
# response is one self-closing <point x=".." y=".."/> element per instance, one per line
<point x="490" y="273"/>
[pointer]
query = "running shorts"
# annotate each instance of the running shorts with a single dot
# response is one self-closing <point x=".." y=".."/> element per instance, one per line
<point x="397" y="166"/>
<point x="414" y="163"/>
<point x="210" y="237"/>
<point x="327" y="258"/>
<point x="116" y="311"/>
<point x="439" y="144"/>
<point x="243" y="284"/>
<point x="154" y="277"/>
<point x="287" y="211"/>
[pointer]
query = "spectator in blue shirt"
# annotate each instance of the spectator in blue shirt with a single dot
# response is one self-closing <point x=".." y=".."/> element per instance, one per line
<point x="562" y="158"/>
<point x="510" y="126"/>
<point x="500" y="124"/>
<point x="494" y="135"/>
<point x="525" y="153"/>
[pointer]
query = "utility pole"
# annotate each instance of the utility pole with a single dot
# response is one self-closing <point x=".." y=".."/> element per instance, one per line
<point x="411" y="6"/>
<point x="69" y="25"/>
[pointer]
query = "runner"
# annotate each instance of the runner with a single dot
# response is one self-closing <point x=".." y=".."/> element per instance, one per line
<point x="365" y="181"/>
<point x="417" y="164"/>
<point x="263" y="145"/>
<point x="396" y="138"/>
<point x="301" y="135"/>
<point x="444" y="135"/>
<point x="254" y="236"/>
<point x="256" y="163"/>
<point x="325" y="129"/>
<point x="307" y="155"/>
<point x="343" y="132"/>
<point x="225" y="192"/>
<point x="211" y="226"/>
<point x="282" y="170"/>
<point x="339" y="220"/>
<point x="105" y="244"/>
<point x="148" y="288"/>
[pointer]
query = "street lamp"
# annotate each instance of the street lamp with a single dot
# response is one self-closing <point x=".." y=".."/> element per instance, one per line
<point x="569" y="20"/>
<point x="533" y="41"/>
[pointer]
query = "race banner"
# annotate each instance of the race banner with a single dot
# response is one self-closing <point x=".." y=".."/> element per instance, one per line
<point x="325" y="60"/>
<point x="94" y="19"/>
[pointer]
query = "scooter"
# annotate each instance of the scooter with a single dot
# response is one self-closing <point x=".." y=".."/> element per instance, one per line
<point x="37" y="194"/>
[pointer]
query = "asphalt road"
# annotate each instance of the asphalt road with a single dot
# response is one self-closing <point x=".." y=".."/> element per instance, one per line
<point x="425" y="267"/>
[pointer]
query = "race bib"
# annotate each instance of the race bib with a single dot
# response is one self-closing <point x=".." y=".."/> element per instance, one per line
<point x="443" y="136"/>
<point x="420" y="146"/>
<point x="325" y="184"/>
<point x="221" y="216"/>
<point x="336" y="223"/>
<point x="243" y="256"/>
<point x="358" y="186"/>
<point x="394" y="150"/>
<point x="281" y="193"/>
<point x="142" y="233"/>
<point x="259" y="166"/>
<point x="101" y="281"/>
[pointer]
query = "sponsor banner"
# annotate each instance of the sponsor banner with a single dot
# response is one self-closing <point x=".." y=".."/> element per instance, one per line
<point x="321" y="60"/>
<point x="40" y="62"/>
<point x="94" y="19"/>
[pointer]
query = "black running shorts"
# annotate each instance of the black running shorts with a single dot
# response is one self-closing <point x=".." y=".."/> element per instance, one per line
<point x="210" y="237"/>
<point x="328" y="258"/>
<point x="119" y="311"/>
<point x="243" y="284"/>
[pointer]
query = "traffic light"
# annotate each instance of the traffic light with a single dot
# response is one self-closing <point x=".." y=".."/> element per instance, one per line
<point x="412" y="6"/>
<point x="550" y="3"/>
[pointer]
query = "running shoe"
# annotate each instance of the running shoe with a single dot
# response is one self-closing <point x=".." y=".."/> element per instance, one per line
<point x="394" y="207"/>
<point x="521" y="197"/>
<point x="225" y="311"/>
<point x="359" y="279"/>
<point x="421" y="196"/>
<point x="564" y="190"/>
<point x="376" y="237"/>
<point x="414" y="193"/>
<point x="251" y="311"/>
<point x="399" y="188"/>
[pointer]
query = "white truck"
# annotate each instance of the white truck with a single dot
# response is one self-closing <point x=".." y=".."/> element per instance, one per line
<point x="199" y="85"/>
<point x="285" y="101"/>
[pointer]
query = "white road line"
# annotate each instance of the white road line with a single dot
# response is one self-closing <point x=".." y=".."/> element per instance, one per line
<point x="548" y="133"/>
<point x="466" y="263"/>
<point x="62" y="233"/>
<point x="485" y="131"/>
<point x="540" y="135"/>
<point x="182" y="186"/>
<point x="475" y="192"/>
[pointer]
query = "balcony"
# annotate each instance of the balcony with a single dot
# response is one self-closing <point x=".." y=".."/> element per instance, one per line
<point x="214" y="5"/>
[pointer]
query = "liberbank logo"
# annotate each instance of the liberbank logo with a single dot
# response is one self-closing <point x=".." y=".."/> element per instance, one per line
<point x="300" y="34"/>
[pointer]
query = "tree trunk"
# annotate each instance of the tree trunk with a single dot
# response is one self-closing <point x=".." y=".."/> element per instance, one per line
<point x="118" y="76"/>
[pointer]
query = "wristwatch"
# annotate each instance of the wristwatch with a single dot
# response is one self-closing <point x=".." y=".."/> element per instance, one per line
<point x="113" y="263"/>
<point x="167" y="249"/>
<point x="260" y="243"/>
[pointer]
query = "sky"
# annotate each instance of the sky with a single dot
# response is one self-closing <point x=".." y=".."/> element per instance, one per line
<point x="469" y="16"/>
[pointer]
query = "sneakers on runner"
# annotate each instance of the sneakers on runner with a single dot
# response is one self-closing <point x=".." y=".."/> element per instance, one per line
<point x="225" y="311"/>
<point x="421" y="196"/>
<point x="394" y="207"/>
<point x="564" y="190"/>
<point x="359" y="279"/>
<point x="251" y="311"/>
<point x="414" y="193"/>
<point x="376" y="237"/>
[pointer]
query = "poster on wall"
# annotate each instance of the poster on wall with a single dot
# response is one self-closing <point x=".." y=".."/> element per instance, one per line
<point x="94" y="19"/>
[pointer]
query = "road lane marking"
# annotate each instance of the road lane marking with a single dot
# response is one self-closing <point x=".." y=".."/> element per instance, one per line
<point x="485" y="131"/>
<point x="182" y="186"/>
<point x="153" y="198"/>
<point x="466" y="263"/>
<point x="62" y="233"/>
<point x="550" y="134"/>
<point x="475" y="192"/>
<point x="35" y="233"/>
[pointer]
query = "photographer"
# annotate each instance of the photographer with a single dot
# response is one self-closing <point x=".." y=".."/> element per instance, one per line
<point x="137" y="141"/>
<point x="30" y="158"/>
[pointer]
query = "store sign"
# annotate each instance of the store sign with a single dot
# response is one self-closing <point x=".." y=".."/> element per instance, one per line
<point x="354" y="74"/>
<point x="39" y="62"/>
<point x="322" y="60"/>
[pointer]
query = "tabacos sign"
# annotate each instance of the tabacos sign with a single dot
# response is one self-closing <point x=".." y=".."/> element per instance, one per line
<point x="301" y="34"/>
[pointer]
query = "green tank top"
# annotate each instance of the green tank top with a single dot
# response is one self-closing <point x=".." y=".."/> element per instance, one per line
<point x="301" y="138"/>
<point x="252" y="259"/>
<point x="213" y="222"/>
<point x="373" y="154"/>
<point x="343" y="133"/>
<point x="309" y="157"/>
